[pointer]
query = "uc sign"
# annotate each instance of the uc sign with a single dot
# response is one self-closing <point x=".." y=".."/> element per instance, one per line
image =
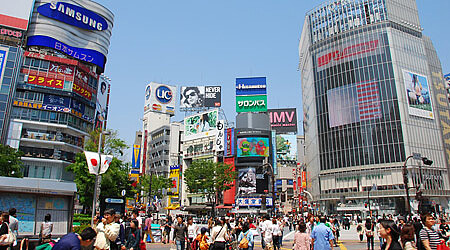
<point x="73" y="15"/>
<point x="163" y="94"/>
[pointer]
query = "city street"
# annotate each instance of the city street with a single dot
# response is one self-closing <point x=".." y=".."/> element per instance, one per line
<point x="348" y="241"/>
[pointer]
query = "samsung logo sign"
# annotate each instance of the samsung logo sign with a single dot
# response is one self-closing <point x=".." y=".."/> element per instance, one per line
<point x="73" y="15"/>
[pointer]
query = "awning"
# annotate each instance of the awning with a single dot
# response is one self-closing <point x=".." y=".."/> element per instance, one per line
<point x="196" y="207"/>
<point x="224" y="207"/>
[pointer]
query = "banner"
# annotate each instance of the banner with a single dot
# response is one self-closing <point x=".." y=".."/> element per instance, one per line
<point x="286" y="148"/>
<point x="253" y="103"/>
<point x="174" y="175"/>
<point x="228" y="195"/>
<point x="136" y="157"/>
<point x="247" y="181"/>
<point x="219" y="145"/>
<point x="199" y="125"/>
<point x="283" y="120"/>
<point x="253" y="147"/>
<point x="229" y="142"/>
<point x="101" y="110"/>
<point x="46" y="81"/>
<point x="418" y="95"/>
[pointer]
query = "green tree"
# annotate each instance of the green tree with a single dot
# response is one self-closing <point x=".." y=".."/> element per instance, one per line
<point x="10" y="163"/>
<point x="113" y="181"/>
<point x="159" y="183"/>
<point x="209" y="178"/>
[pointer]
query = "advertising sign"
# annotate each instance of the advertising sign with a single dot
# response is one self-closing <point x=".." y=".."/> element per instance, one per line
<point x="353" y="103"/>
<point x="213" y="96"/>
<point x="101" y="110"/>
<point x="418" y="95"/>
<point x="160" y="98"/>
<point x="136" y="158"/>
<point x="283" y="120"/>
<point x="274" y="151"/>
<point x="15" y="14"/>
<point x="253" y="103"/>
<point x="48" y="82"/>
<point x="253" y="202"/>
<point x="81" y="91"/>
<point x="73" y="15"/>
<point x="61" y="69"/>
<point x="219" y="145"/>
<point x="228" y="195"/>
<point x="174" y="175"/>
<point x="53" y="107"/>
<point x="202" y="124"/>
<point x="251" y="86"/>
<point x="253" y="147"/>
<point x="83" y="54"/>
<point x="57" y="100"/>
<point x="229" y="142"/>
<point x="247" y="181"/>
<point x="10" y="32"/>
<point x="287" y="147"/>
<point x="3" y="57"/>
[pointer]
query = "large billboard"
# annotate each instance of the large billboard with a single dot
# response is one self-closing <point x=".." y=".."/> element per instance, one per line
<point x="418" y="95"/>
<point x="251" y="103"/>
<point x="228" y="195"/>
<point x="80" y="29"/>
<point x="251" y="86"/>
<point x="202" y="124"/>
<point x="101" y="110"/>
<point x="199" y="97"/>
<point x="15" y="14"/>
<point x="283" y="120"/>
<point x="160" y="98"/>
<point x="174" y="175"/>
<point x="353" y="103"/>
<point x="286" y="147"/>
<point x="247" y="181"/>
<point x="253" y="147"/>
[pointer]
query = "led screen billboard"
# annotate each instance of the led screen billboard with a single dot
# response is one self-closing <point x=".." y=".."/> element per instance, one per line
<point x="253" y="147"/>
<point x="353" y="103"/>
<point x="286" y="147"/>
<point x="202" y="124"/>
<point x="160" y="98"/>
<point x="418" y="95"/>
<point x="252" y="103"/>
<point x="283" y="120"/>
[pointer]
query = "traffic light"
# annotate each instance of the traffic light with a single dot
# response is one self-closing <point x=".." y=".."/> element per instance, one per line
<point x="365" y="204"/>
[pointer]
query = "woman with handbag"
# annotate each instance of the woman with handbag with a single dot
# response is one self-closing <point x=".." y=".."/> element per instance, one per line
<point x="5" y="232"/>
<point x="134" y="236"/>
<point x="219" y="235"/>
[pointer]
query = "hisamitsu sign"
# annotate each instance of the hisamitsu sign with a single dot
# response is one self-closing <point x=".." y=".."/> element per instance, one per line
<point x="251" y="86"/>
<point x="254" y="103"/>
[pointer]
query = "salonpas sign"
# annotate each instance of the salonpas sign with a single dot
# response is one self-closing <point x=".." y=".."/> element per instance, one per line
<point x="253" y="103"/>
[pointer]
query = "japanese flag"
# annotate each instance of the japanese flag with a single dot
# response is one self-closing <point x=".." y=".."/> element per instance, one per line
<point x="93" y="162"/>
<point x="106" y="160"/>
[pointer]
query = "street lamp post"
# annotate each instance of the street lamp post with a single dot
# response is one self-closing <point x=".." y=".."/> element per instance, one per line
<point x="273" y="184"/>
<point x="416" y="156"/>
<point x="97" y="176"/>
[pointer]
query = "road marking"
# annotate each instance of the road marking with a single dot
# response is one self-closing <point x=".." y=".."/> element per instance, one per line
<point x="341" y="246"/>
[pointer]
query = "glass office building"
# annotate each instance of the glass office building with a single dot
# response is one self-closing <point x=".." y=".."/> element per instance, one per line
<point x="369" y="102"/>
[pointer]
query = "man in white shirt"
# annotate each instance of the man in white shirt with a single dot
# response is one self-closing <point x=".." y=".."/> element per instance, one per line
<point x="13" y="221"/>
<point x="267" y="231"/>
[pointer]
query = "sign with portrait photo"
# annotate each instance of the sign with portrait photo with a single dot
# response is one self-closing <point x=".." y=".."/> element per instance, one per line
<point x="247" y="181"/>
<point x="202" y="124"/>
<point x="192" y="97"/>
<point x="418" y="95"/>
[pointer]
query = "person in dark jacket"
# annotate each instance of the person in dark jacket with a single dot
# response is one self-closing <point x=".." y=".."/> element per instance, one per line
<point x="389" y="232"/>
<point x="180" y="233"/>
<point x="134" y="236"/>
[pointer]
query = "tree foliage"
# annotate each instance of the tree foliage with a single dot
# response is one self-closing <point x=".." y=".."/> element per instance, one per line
<point x="208" y="177"/>
<point x="113" y="181"/>
<point x="159" y="183"/>
<point x="10" y="163"/>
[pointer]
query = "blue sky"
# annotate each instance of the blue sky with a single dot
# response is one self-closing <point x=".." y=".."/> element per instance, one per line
<point x="211" y="42"/>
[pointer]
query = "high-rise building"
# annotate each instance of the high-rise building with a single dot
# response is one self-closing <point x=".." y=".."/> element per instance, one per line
<point x="370" y="82"/>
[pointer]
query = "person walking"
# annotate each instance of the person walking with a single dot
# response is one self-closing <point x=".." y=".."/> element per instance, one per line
<point x="148" y="228"/>
<point x="248" y="235"/>
<point x="389" y="232"/>
<point x="369" y="228"/>
<point x="276" y="234"/>
<point x="73" y="241"/>
<point x="267" y="234"/>
<point x="13" y="221"/>
<point x="107" y="231"/>
<point x="134" y="236"/>
<point x="202" y="239"/>
<point x="4" y="229"/>
<point x="219" y="235"/>
<point x="166" y="232"/>
<point x="429" y="238"/>
<point x="360" y="230"/>
<point x="180" y="233"/>
<point x="407" y="235"/>
<point x="45" y="234"/>
<point x="302" y="240"/>
<point x="322" y="236"/>
<point x="192" y="229"/>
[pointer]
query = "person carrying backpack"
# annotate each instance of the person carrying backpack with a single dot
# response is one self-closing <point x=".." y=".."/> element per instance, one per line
<point x="245" y="238"/>
<point x="201" y="241"/>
